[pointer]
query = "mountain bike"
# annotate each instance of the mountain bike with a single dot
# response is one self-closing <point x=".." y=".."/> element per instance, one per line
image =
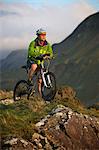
<point x="48" y="85"/>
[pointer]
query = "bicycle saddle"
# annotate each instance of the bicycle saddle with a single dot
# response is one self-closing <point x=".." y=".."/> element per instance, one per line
<point x="24" y="67"/>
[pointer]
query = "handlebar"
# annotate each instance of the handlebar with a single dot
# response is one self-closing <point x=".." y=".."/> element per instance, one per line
<point x="41" y="57"/>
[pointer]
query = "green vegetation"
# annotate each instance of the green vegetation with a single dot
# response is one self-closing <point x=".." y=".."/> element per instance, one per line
<point x="18" y="119"/>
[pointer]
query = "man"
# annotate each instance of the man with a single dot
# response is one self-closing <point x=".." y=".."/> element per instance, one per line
<point x="36" y="48"/>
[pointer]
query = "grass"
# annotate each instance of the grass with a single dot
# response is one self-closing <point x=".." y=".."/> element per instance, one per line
<point x="5" y="94"/>
<point x="18" y="119"/>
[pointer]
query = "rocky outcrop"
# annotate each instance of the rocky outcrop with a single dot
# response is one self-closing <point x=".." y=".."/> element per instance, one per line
<point x="62" y="129"/>
<point x="17" y="144"/>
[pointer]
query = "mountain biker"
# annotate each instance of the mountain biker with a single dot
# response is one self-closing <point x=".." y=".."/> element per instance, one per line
<point x="37" y="48"/>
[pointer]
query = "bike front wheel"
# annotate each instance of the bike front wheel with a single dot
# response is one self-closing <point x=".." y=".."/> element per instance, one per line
<point x="21" y="90"/>
<point x="49" y="91"/>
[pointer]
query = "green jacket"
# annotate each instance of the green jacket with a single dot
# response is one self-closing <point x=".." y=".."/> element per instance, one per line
<point x="35" y="50"/>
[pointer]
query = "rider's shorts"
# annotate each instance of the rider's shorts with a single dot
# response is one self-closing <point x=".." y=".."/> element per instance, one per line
<point x="29" y="63"/>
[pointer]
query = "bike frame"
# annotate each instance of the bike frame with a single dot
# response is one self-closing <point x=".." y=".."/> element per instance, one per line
<point x="43" y="72"/>
<point x="31" y="88"/>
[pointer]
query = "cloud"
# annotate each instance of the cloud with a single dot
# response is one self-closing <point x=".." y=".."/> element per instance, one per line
<point x="18" y="22"/>
<point x="6" y="13"/>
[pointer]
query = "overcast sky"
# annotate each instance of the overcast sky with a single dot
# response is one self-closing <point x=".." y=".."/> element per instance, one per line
<point x="19" y="20"/>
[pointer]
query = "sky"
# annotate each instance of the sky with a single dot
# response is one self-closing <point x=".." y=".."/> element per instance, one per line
<point x="19" y="20"/>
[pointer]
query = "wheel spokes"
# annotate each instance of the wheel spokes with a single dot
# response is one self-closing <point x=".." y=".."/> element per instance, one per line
<point x="21" y="90"/>
<point x="49" y="91"/>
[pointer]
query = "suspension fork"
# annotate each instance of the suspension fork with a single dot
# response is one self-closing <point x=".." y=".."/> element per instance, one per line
<point x="49" y="80"/>
<point x="44" y="80"/>
<point x="43" y="76"/>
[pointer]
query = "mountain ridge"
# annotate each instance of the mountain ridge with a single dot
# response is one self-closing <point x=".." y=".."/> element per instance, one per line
<point x="78" y="58"/>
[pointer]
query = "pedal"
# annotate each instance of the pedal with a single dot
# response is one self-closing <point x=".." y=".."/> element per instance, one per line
<point x="17" y="98"/>
<point x="32" y="93"/>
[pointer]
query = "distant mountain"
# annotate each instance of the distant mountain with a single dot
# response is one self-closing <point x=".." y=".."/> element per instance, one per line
<point x="4" y="53"/>
<point x="14" y="60"/>
<point x="76" y="62"/>
<point x="77" y="59"/>
<point x="11" y="70"/>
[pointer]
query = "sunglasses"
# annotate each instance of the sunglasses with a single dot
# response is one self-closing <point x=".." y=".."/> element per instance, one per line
<point x="43" y="34"/>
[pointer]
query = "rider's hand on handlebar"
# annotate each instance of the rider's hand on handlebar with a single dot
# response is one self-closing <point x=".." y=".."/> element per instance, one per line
<point x="46" y="57"/>
<point x="43" y="57"/>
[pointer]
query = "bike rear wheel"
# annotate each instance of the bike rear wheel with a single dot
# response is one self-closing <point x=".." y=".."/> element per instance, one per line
<point x="48" y="93"/>
<point x="21" y="90"/>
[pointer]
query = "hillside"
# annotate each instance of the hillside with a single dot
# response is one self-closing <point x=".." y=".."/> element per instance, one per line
<point x="14" y="60"/>
<point x="77" y="56"/>
<point x="35" y="124"/>
<point x="11" y="70"/>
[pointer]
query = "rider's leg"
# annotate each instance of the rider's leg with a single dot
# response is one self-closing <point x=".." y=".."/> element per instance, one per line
<point x="31" y="71"/>
<point x="39" y="86"/>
